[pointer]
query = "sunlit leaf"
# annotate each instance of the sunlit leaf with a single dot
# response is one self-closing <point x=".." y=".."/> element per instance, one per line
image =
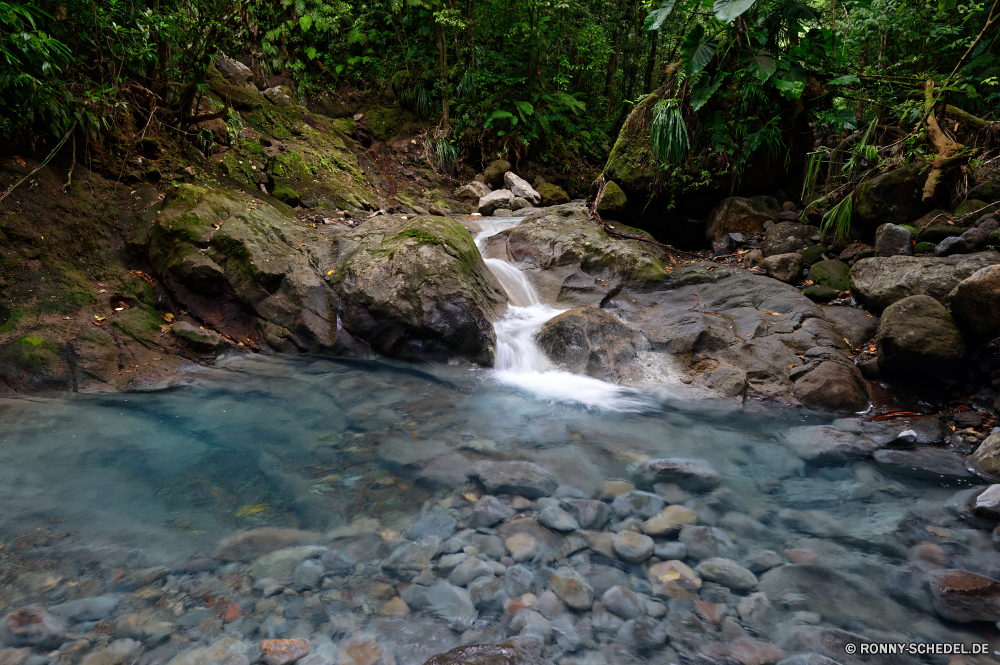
<point x="305" y="23"/>
<point x="655" y="18"/>
<point x="728" y="10"/>
<point x="311" y="52"/>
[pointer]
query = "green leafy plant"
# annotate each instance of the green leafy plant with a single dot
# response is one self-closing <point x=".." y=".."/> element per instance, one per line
<point x="670" y="139"/>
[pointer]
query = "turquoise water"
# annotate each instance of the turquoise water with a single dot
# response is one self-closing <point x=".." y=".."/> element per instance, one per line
<point x="160" y="476"/>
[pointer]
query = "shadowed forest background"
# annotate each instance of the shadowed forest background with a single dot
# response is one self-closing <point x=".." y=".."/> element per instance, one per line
<point x="731" y="85"/>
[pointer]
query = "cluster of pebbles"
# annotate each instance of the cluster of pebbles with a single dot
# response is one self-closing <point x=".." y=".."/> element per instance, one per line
<point x="666" y="567"/>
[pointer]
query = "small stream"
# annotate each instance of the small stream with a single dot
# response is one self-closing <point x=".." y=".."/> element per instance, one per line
<point x="98" y="485"/>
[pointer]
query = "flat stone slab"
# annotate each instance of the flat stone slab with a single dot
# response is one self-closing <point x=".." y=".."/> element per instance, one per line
<point x="926" y="463"/>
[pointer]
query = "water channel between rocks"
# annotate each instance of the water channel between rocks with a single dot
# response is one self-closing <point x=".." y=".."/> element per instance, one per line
<point x="795" y="537"/>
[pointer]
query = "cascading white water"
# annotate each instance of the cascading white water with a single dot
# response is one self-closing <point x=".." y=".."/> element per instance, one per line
<point x="520" y="362"/>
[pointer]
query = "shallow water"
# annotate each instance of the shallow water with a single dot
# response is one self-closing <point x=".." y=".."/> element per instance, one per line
<point x="96" y="482"/>
<point x="161" y="476"/>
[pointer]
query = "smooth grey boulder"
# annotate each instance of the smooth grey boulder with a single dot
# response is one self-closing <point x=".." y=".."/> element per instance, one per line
<point x="520" y="188"/>
<point x="951" y="245"/>
<point x="975" y="302"/>
<point x="893" y="240"/>
<point x="526" y="479"/>
<point x="784" y="267"/>
<point x="453" y="605"/>
<point x="788" y="237"/>
<point x="693" y="475"/>
<point x="726" y="572"/>
<point x="472" y="192"/>
<point x="495" y="200"/>
<point x="917" y="337"/>
<point x="880" y="281"/>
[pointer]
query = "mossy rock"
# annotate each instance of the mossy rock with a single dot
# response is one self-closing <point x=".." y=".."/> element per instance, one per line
<point x="926" y="247"/>
<point x="493" y="174"/>
<point x="970" y="205"/>
<point x="819" y="293"/>
<point x="235" y="262"/>
<point x="418" y="289"/>
<point x="811" y="255"/>
<point x="552" y="195"/>
<point x="993" y="239"/>
<point x="613" y="201"/>
<point x="832" y="274"/>
<point x="30" y="361"/>
<point x="385" y="123"/>
<point x="939" y="232"/>
<point x="286" y="195"/>
<point x="565" y="235"/>
<point x="631" y="163"/>
<point x="895" y="197"/>
<point x="345" y="126"/>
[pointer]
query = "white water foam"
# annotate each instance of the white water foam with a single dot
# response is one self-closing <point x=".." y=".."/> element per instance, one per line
<point x="520" y="363"/>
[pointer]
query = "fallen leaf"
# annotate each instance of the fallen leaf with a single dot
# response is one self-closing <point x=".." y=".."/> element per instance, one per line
<point x="330" y="272"/>
<point x="119" y="309"/>
<point x="99" y="318"/>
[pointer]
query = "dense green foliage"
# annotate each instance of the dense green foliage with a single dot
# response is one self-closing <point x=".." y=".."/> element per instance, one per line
<point x="548" y="79"/>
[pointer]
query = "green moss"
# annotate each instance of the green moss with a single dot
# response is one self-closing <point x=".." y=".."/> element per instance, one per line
<point x="252" y="147"/>
<point x="345" y="126"/>
<point x="142" y="324"/>
<point x="66" y="290"/>
<point x="552" y="195"/>
<point x="286" y="195"/>
<point x="613" y="201"/>
<point x="8" y="319"/>
<point x="811" y="255"/>
<point x="832" y="274"/>
<point x="927" y="247"/>
<point x="385" y="123"/>
<point x="631" y="163"/>
<point x="27" y="354"/>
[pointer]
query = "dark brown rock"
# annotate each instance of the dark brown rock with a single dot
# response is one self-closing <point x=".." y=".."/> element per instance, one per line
<point x="964" y="596"/>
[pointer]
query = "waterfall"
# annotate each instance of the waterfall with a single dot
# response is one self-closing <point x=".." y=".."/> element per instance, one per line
<point x="518" y="360"/>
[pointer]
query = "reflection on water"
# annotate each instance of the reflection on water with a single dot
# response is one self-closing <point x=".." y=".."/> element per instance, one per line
<point x="162" y="476"/>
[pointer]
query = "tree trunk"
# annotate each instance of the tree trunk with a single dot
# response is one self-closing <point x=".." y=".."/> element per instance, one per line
<point x="648" y="83"/>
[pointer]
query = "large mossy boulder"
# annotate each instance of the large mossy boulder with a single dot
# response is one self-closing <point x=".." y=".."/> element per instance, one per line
<point x="741" y="215"/>
<point x="975" y="302"/>
<point x="418" y="289"/>
<point x="895" y="197"/>
<point x="880" y="281"/>
<point x="552" y="195"/>
<point x="988" y="191"/>
<point x="917" y="338"/>
<point x="590" y="341"/>
<point x="631" y="163"/>
<point x="246" y="268"/>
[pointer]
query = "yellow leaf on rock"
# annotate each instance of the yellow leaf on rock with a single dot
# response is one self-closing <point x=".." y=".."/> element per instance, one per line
<point x="254" y="509"/>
